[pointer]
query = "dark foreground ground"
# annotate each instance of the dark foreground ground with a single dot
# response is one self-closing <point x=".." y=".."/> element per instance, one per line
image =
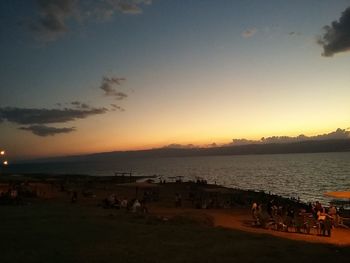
<point x="46" y="231"/>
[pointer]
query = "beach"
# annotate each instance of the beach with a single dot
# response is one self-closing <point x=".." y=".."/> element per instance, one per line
<point x="63" y="228"/>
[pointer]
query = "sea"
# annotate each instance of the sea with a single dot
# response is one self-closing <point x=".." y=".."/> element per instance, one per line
<point x="306" y="176"/>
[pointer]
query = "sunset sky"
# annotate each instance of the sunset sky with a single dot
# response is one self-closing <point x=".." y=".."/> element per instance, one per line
<point x="92" y="76"/>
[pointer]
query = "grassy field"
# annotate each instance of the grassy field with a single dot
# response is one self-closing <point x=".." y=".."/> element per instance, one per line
<point x="63" y="232"/>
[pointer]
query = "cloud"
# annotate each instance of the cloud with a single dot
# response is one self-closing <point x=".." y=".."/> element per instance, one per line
<point x="43" y="116"/>
<point x="242" y="142"/>
<point x="51" y="22"/>
<point x="336" y="37"/>
<point x="54" y="16"/>
<point x="336" y="135"/>
<point x="293" y="33"/>
<point x="249" y="32"/>
<point x="80" y="105"/>
<point x="37" y="118"/>
<point x="110" y="86"/>
<point x="179" y="146"/>
<point x="43" y="130"/>
<point x="129" y="8"/>
<point x="116" y="107"/>
<point x="132" y="7"/>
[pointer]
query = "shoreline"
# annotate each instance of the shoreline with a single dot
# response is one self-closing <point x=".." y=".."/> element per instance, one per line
<point x="73" y="177"/>
<point x="119" y="179"/>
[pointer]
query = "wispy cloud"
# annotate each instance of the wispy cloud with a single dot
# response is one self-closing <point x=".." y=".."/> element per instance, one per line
<point x="80" y="105"/>
<point x="336" y="37"/>
<point x="116" y="107"/>
<point x="130" y="6"/>
<point x="54" y="16"/>
<point x="51" y="22"/>
<point x="294" y="33"/>
<point x="43" y="130"/>
<point x="111" y="86"/>
<point x="249" y="32"/>
<point x="36" y="119"/>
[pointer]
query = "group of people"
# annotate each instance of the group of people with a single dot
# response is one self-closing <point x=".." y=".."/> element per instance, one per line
<point x="133" y="205"/>
<point x="15" y="193"/>
<point x="10" y="197"/>
<point x="326" y="217"/>
<point x="301" y="219"/>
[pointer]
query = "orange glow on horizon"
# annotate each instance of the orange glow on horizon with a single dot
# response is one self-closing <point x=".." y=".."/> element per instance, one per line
<point x="88" y="143"/>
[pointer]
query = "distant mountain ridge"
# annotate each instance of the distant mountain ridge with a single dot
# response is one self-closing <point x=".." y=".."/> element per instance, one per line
<point x="312" y="146"/>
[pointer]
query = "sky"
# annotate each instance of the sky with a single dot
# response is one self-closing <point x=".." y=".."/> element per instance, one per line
<point x="92" y="76"/>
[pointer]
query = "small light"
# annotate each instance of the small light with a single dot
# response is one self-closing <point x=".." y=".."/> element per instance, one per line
<point x="5" y="163"/>
<point x="2" y="153"/>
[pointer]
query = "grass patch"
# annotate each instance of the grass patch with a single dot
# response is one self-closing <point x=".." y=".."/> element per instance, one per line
<point x="56" y="232"/>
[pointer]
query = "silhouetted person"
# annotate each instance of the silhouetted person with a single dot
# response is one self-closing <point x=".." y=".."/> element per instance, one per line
<point x="74" y="198"/>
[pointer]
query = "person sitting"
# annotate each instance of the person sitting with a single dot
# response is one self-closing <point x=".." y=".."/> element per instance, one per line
<point x="136" y="206"/>
<point x="178" y="200"/>
<point x="74" y="198"/>
<point x="143" y="207"/>
<point x="111" y="200"/>
<point x="124" y="203"/>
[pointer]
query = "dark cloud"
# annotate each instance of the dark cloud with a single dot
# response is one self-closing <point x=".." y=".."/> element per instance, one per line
<point x="37" y="118"/>
<point x="110" y="87"/>
<point x="54" y="16"/>
<point x="336" y="38"/>
<point x="129" y="8"/>
<point x="116" y="107"/>
<point x="132" y="7"/>
<point x="80" y="105"/>
<point x="44" y="116"/>
<point x="43" y="130"/>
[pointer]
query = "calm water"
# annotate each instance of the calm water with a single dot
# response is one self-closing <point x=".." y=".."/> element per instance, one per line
<point x="306" y="176"/>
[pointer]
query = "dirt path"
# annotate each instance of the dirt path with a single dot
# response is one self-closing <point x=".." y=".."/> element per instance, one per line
<point x="240" y="219"/>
